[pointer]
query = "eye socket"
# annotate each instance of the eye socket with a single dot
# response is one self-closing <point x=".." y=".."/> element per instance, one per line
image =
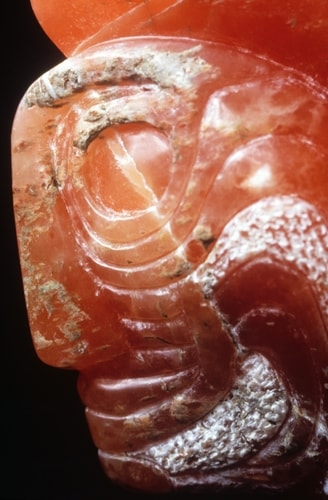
<point x="127" y="167"/>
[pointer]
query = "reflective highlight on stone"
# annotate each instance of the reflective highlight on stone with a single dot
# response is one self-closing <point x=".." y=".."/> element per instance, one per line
<point x="172" y="210"/>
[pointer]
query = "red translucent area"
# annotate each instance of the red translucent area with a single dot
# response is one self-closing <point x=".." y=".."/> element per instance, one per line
<point x="172" y="215"/>
<point x="78" y="22"/>
<point x="127" y="167"/>
<point x="295" y="34"/>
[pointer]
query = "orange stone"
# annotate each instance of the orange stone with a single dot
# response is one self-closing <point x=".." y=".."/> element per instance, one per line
<point x="295" y="35"/>
<point x="171" y="205"/>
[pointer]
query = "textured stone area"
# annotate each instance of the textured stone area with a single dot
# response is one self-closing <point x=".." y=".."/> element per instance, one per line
<point x="170" y="199"/>
<point x="247" y="418"/>
<point x="164" y="68"/>
<point x="291" y="228"/>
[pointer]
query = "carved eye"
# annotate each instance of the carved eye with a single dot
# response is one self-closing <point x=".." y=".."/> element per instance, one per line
<point x="127" y="168"/>
<point x="172" y="213"/>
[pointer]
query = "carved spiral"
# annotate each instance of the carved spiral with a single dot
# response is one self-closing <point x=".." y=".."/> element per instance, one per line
<point x="191" y="179"/>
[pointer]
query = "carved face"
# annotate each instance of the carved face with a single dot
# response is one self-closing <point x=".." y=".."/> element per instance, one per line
<point x="171" y="206"/>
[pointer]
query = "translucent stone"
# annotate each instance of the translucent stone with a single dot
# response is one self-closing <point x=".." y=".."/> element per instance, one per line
<point x="171" y="205"/>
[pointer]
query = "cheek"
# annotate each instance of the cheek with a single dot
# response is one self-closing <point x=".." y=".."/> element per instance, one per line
<point x="171" y="212"/>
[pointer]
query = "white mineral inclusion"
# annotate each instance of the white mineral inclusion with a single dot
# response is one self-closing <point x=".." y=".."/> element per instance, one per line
<point x="165" y="68"/>
<point x="242" y="423"/>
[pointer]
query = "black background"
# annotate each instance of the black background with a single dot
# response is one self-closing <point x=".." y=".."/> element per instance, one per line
<point x="46" y="446"/>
